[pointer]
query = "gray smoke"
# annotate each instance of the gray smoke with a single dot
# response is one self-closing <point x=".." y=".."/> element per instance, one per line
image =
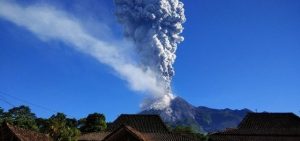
<point x="51" y="24"/>
<point x="155" y="27"/>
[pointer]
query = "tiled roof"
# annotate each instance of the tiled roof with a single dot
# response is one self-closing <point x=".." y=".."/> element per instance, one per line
<point x="129" y="130"/>
<point x="150" y="136"/>
<point x="263" y="127"/>
<point x="139" y="127"/>
<point x="23" y="134"/>
<point x="254" y="138"/>
<point x="270" y="120"/>
<point x="267" y="132"/>
<point x="97" y="136"/>
<point x="166" y="137"/>
<point x="142" y="123"/>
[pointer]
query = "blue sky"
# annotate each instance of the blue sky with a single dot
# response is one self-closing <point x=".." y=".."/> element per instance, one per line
<point x="236" y="54"/>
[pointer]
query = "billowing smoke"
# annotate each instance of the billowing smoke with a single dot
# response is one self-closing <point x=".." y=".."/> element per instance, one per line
<point x="155" y="27"/>
<point x="49" y="23"/>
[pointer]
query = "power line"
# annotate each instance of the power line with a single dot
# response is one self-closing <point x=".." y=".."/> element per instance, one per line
<point x="6" y="101"/>
<point x="24" y="101"/>
<point x="3" y="94"/>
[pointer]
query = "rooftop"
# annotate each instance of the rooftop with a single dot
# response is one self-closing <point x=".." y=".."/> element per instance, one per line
<point x="22" y="134"/>
<point x="263" y="127"/>
<point x="136" y="127"/>
<point x="142" y="123"/>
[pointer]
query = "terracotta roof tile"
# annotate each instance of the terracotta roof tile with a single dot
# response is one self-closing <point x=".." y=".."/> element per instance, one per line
<point x="270" y="120"/>
<point x="96" y="136"/>
<point x="151" y="136"/>
<point x="26" y="135"/>
<point x="166" y="137"/>
<point x="140" y="127"/>
<point x="263" y="127"/>
<point x="138" y="135"/>
<point x="142" y="123"/>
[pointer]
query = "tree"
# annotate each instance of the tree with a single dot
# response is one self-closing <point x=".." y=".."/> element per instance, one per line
<point x="2" y="115"/>
<point x="61" y="129"/>
<point x="72" y="122"/>
<point x="22" y="117"/>
<point x="43" y="124"/>
<point x="183" y="129"/>
<point x="93" y="123"/>
<point x="187" y="130"/>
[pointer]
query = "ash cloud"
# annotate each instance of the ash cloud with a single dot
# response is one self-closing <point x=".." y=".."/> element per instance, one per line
<point x="154" y="26"/>
<point x="49" y="23"/>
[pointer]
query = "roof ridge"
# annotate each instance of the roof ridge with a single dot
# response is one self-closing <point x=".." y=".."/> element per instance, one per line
<point x="18" y="131"/>
<point x="278" y="113"/>
<point x="129" y="129"/>
<point x="152" y="123"/>
<point x="289" y="116"/>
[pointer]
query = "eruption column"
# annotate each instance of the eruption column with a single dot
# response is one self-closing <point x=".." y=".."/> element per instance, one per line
<point x="155" y="27"/>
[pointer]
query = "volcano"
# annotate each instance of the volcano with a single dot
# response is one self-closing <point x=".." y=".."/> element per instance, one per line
<point x="201" y="119"/>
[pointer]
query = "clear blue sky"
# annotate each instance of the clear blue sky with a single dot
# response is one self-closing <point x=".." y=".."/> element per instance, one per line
<point x="236" y="54"/>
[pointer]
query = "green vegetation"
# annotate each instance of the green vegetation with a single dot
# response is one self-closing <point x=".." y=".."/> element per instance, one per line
<point x="58" y="126"/>
<point x="62" y="128"/>
<point x="189" y="131"/>
<point x="93" y="123"/>
<point x="20" y="116"/>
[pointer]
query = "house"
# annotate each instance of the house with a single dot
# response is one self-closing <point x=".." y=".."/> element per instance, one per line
<point x="12" y="133"/>
<point x="142" y="123"/>
<point x="136" y="128"/>
<point x="263" y="127"/>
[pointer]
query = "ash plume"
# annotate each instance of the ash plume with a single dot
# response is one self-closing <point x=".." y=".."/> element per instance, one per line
<point x="49" y="23"/>
<point x="155" y="27"/>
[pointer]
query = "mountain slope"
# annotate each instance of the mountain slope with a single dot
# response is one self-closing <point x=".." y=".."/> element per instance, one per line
<point x="200" y="118"/>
